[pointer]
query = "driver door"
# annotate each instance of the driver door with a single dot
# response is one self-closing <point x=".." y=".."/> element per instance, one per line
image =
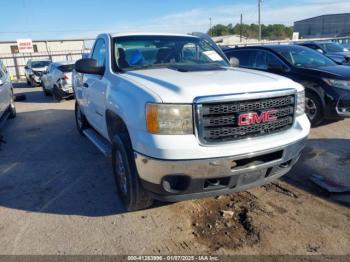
<point x="94" y="89"/>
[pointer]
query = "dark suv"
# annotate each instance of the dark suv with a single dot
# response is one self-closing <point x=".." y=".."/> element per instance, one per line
<point x="326" y="83"/>
<point x="334" y="51"/>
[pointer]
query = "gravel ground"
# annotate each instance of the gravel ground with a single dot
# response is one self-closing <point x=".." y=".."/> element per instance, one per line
<point x="57" y="196"/>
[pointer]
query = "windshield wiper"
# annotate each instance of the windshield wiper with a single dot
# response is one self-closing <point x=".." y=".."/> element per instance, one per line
<point x="144" y="66"/>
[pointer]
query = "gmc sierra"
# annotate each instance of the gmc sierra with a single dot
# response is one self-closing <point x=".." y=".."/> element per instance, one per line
<point x="179" y="122"/>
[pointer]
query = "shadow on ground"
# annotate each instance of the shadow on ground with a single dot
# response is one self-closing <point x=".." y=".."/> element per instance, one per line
<point x="329" y="158"/>
<point x="46" y="166"/>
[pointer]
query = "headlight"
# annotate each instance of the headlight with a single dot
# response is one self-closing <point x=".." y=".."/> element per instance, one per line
<point x="344" y="84"/>
<point x="300" y="103"/>
<point x="169" y="119"/>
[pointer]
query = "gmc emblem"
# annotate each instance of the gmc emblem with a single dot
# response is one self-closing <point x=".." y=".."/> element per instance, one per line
<point x="255" y="118"/>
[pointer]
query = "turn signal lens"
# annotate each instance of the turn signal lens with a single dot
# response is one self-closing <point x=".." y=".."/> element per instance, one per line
<point x="152" y="118"/>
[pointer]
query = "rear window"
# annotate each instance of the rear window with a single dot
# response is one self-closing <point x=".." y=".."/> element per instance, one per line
<point x="66" y="68"/>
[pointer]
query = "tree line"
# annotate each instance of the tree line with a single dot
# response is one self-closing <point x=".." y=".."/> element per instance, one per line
<point x="269" y="32"/>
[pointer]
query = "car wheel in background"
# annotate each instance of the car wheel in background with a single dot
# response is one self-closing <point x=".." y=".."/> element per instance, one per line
<point x="46" y="92"/>
<point x="32" y="83"/>
<point x="80" y="119"/>
<point x="313" y="108"/>
<point x="56" y="94"/>
<point x="12" y="108"/>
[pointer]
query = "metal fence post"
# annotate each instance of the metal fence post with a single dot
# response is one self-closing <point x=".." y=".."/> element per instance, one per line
<point x="16" y="68"/>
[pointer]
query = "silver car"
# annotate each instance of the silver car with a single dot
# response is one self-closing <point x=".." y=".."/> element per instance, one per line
<point x="7" y="105"/>
<point x="34" y="69"/>
<point x="57" y="80"/>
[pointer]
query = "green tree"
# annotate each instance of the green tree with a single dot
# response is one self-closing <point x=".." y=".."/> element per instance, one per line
<point x="269" y="32"/>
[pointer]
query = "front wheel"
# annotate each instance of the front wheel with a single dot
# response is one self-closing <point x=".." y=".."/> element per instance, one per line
<point x="132" y="193"/>
<point x="32" y="83"/>
<point x="313" y="109"/>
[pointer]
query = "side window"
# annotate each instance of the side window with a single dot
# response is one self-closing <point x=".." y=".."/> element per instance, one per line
<point x="273" y="59"/>
<point x="259" y="59"/>
<point x="242" y="56"/>
<point x="99" y="53"/>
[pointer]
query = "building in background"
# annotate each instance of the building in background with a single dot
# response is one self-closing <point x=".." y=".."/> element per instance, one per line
<point x="335" y="25"/>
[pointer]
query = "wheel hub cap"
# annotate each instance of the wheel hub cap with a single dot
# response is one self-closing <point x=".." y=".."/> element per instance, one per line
<point x="310" y="108"/>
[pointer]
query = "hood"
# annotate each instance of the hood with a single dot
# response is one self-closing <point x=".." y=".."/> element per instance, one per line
<point x="336" y="71"/>
<point x="174" y="86"/>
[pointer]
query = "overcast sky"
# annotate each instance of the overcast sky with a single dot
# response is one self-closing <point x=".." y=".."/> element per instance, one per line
<point x="45" y="19"/>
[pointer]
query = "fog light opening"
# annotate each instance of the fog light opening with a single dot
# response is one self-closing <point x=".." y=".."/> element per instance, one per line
<point x="176" y="183"/>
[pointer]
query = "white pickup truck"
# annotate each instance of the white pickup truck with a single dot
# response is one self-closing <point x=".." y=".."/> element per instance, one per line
<point x="179" y="122"/>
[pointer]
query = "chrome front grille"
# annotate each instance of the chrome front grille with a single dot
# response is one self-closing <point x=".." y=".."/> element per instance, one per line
<point x="219" y="121"/>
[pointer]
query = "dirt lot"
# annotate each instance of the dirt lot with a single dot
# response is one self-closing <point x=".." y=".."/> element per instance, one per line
<point x="57" y="196"/>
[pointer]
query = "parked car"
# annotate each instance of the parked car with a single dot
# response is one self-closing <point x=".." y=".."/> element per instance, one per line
<point x="34" y="69"/>
<point x="334" y="51"/>
<point x="7" y="104"/>
<point x="327" y="84"/>
<point x="57" y="80"/>
<point x="180" y="123"/>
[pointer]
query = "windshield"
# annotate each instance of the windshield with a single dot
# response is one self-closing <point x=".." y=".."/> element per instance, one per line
<point x="304" y="57"/>
<point x="37" y="64"/>
<point x="140" y="52"/>
<point x="332" y="47"/>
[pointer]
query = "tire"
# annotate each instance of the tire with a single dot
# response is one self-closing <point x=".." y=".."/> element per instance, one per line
<point x="32" y="83"/>
<point x="132" y="193"/>
<point x="12" y="108"/>
<point x="46" y="92"/>
<point x="313" y="109"/>
<point x="57" y="97"/>
<point x="80" y="120"/>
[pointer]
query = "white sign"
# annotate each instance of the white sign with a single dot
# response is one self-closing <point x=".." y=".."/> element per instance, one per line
<point x="25" y="45"/>
<point x="295" y="36"/>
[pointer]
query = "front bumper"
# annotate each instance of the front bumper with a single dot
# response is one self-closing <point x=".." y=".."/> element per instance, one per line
<point x="176" y="180"/>
<point x="36" y="78"/>
<point x="337" y="103"/>
<point x="343" y="105"/>
<point x="64" y="91"/>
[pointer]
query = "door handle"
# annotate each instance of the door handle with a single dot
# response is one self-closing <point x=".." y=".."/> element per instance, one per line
<point x="86" y="85"/>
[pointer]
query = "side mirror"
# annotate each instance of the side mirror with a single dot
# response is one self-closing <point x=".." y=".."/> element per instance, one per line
<point x="234" y="62"/>
<point x="276" y="68"/>
<point x="26" y="67"/>
<point x="1" y="82"/>
<point x="89" y="66"/>
<point x="320" y="50"/>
